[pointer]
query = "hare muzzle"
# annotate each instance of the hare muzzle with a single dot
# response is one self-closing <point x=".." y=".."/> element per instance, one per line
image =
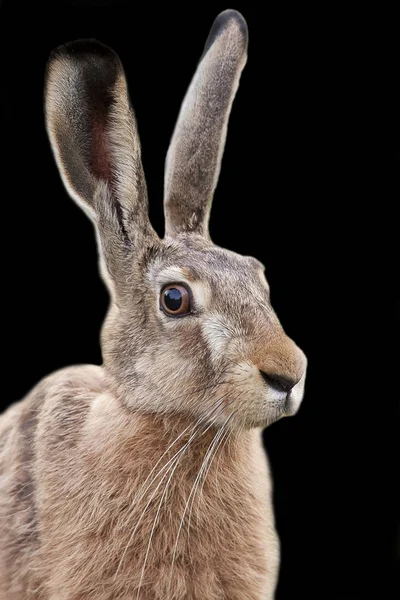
<point x="283" y="372"/>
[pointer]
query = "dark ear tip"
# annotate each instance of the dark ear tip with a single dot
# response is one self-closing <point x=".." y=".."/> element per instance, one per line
<point x="82" y="46"/>
<point x="83" y="50"/>
<point x="222" y="22"/>
<point x="89" y="58"/>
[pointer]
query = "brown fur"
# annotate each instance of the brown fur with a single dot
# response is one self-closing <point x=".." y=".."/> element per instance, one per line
<point x="146" y="478"/>
<point x="93" y="458"/>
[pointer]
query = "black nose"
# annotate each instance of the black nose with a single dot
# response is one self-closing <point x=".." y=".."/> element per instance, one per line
<point x="280" y="383"/>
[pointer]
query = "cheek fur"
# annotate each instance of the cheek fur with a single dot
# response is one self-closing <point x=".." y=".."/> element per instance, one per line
<point x="215" y="335"/>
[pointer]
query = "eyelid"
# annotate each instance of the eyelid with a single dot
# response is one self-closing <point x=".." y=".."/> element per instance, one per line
<point x="175" y="283"/>
<point x="172" y="274"/>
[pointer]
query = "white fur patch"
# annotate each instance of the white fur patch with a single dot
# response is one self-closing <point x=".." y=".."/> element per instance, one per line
<point x="102" y="411"/>
<point x="216" y="334"/>
<point x="296" y="395"/>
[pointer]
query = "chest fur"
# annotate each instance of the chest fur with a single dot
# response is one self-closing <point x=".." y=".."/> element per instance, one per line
<point x="157" y="519"/>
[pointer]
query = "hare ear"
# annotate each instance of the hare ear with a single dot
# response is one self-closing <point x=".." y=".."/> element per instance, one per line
<point x="195" y="153"/>
<point x="93" y="134"/>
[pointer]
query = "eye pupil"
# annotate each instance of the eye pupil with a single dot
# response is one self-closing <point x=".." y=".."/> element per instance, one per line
<point x="173" y="299"/>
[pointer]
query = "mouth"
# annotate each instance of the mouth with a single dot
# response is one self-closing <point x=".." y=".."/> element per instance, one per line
<point x="280" y="398"/>
<point x="263" y="407"/>
<point x="289" y="407"/>
<point x="283" y="406"/>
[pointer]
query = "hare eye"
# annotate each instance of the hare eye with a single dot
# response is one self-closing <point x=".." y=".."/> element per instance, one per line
<point x="175" y="300"/>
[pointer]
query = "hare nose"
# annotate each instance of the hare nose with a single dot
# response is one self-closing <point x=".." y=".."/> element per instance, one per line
<point x="280" y="383"/>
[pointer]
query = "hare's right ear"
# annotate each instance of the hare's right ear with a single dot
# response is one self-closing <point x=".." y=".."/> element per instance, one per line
<point x="93" y="134"/>
<point x="195" y="152"/>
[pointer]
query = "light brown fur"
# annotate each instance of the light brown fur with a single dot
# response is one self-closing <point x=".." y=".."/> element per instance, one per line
<point x="146" y="479"/>
<point x="93" y="458"/>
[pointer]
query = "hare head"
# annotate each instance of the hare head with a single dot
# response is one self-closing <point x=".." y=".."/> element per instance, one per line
<point x="190" y="326"/>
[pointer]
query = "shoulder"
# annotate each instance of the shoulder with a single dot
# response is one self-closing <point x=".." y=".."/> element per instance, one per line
<point x="58" y="402"/>
<point x="64" y="398"/>
<point x="74" y="381"/>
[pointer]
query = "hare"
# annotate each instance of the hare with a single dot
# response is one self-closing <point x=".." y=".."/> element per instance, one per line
<point x="146" y="478"/>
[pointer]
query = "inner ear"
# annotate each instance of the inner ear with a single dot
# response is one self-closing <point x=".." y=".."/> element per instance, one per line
<point x="95" y="77"/>
<point x="100" y="154"/>
<point x="100" y="158"/>
<point x="100" y="101"/>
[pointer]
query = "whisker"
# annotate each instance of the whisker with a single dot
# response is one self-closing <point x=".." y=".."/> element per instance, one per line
<point x="221" y="444"/>
<point x="171" y="464"/>
<point x="146" y="507"/>
<point x="183" y="517"/>
<point x="156" y="520"/>
<point x="235" y="363"/>
<point x="205" y="467"/>
<point x="205" y="459"/>
<point x="144" y="489"/>
<point x="164" y="453"/>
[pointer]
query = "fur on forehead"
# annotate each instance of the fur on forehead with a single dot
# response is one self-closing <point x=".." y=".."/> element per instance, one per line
<point x="196" y="259"/>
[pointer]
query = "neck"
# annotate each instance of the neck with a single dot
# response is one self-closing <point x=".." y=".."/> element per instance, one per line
<point x="176" y="438"/>
<point x="172" y="486"/>
<point x="153" y="446"/>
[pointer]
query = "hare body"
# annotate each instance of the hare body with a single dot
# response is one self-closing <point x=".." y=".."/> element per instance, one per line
<point x="145" y="479"/>
<point x="73" y="462"/>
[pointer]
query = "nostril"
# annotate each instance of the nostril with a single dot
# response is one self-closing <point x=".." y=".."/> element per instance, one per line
<point x="279" y="382"/>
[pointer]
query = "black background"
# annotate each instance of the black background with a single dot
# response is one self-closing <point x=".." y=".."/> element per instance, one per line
<point x="294" y="191"/>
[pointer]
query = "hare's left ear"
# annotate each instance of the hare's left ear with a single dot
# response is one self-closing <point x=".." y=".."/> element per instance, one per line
<point x="93" y="134"/>
<point x="194" y="156"/>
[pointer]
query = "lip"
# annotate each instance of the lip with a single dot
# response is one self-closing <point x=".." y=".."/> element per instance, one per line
<point x="275" y="396"/>
<point x="290" y="408"/>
